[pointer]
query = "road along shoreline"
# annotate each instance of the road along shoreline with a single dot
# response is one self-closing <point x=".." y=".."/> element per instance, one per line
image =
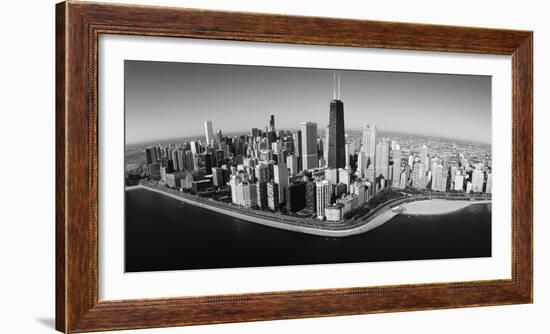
<point x="362" y="224"/>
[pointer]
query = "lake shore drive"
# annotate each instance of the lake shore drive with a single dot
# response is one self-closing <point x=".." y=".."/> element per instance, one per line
<point x="420" y="207"/>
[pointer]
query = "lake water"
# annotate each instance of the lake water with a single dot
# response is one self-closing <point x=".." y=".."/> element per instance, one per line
<point x="161" y="233"/>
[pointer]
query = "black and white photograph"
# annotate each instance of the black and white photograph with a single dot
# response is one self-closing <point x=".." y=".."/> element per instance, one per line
<point x="245" y="167"/>
<point x="231" y="166"/>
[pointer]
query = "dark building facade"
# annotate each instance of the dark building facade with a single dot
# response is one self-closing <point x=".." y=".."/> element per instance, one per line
<point x="154" y="171"/>
<point x="336" y="154"/>
<point x="311" y="196"/>
<point x="295" y="196"/>
<point x="261" y="195"/>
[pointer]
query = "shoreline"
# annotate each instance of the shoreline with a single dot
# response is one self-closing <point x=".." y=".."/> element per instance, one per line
<point x="363" y="224"/>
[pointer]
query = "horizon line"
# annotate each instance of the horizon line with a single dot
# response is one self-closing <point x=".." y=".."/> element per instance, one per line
<point x="318" y="130"/>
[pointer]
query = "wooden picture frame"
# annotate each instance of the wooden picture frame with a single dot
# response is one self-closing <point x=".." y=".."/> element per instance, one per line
<point x="78" y="26"/>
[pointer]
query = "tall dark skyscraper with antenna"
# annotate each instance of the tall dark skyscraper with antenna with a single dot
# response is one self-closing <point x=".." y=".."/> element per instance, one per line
<point x="271" y="134"/>
<point x="336" y="157"/>
<point x="272" y="123"/>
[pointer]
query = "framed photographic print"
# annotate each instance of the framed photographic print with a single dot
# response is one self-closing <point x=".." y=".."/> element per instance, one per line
<point x="222" y="166"/>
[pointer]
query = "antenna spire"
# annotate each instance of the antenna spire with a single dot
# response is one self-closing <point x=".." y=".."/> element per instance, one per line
<point x="339" y="90"/>
<point x="334" y="87"/>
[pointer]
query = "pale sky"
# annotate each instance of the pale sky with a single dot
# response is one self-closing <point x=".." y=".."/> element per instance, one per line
<point x="166" y="100"/>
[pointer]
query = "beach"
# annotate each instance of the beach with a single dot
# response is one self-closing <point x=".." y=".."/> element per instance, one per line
<point x="436" y="206"/>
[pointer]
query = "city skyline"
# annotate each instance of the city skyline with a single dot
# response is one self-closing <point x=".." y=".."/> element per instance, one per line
<point x="467" y="120"/>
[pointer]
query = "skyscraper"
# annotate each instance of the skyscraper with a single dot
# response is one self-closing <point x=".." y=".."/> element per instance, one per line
<point x="295" y="196"/>
<point x="209" y="132"/>
<point x="382" y="158"/>
<point x="311" y="198"/>
<point x="309" y="145"/>
<point x="273" y="196"/>
<point x="219" y="136"/>
<point x="261" y="195"/>
<point x="477" y="180"/>
<point x="323" y="197"/>
<point x="327" y="140"/>
<point x="150" y="155"/>
<point x="419" y="175"/>
<point x="437" y="176"/>
<point x="361" y="163"/>
<point x="297" y="138"/>
<point x="292" y="163"/>
<point x="424" y="158"/>
<point x="280" y="176"/>
<point x="344" y="176"/>
<point x="175" y="158"/>
<point x="336" y="156"/>
<point x="272" y="123"/>
<point x="396" y="178"/>
<point x="369" y="144"/>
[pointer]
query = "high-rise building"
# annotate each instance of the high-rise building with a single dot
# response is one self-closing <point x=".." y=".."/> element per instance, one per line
<point x="218" y="176"/>
<point x="150" y="155"/>
<point x="396" y="178"/>
<point x="195" y="147"/>
<point x="292" y="163"/>
<point x="369" y="174"/>
<point x="311" y="196"/>
<point x="419" y="175"/>
<point x="468" y="187"/>
<point x="209" y="132"/>
<point x="249" y="195"/>
<point x="254" y="132"/>
<point x="219" y="137"/>
<point x="280" y="176"/>
<point x="347" y="155"/>
<point x="266" y="155"/>
<point x="234" y="180"/>
<point x="295" y="196"/>
<point x="403" y="179"/>
<point x="369" y="144"/>
<point x="358" y="188"/>
<point x="344" y="176"/>
<point x="309" y="145"/>
<point x="334" y="212"/>
<point x="327" y="140"/>
<point x="459" y="182"/>
<point x="297" y="139"/>
<point x="336" y="156"/>
<point x="324" y="193"/>
<point x="382" y="159"/>
<point x="331" y="174"/>
<point x="437" y="176"/>
<point x="424" y="157"/>
<point x="277" y="146"/>
<point x="203" y="163"/>
<point x="272" y="123"/>
<point x="154" y="171"/>
<point x="181" y="160"/>
<point x="361" y="163"/>
<point x="176" y="159"/>
<point x="273" y="195"/>
<point x="189" y="160"/>
<point x="477" y="180"/>
<point x="261" y="195"/>
<point x="262" y="173"/>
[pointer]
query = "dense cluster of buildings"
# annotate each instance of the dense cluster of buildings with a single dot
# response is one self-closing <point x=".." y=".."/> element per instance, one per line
<point x="301" y="172"/>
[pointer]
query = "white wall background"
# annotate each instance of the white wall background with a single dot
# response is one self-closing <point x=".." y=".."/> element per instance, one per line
<point x="27" y="157"/>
